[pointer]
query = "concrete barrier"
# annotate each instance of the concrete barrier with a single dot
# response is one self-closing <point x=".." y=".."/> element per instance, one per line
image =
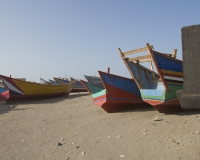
<point x="189" y="97"/>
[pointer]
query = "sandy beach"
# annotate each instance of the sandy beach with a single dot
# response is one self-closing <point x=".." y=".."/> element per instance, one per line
<point x="74" y="128"/>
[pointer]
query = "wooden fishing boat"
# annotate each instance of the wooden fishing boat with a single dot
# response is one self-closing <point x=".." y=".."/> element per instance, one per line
<point x="61" y="81"/>
<point x="52" y="82"/>
<point x="4" y="93"/>
<point x="45" y="81"/>
<point x="86" y="85"/>
<point x="156" y="88"/>
<point x="22" y="90"/>
<point x="95" y="88"/>
<point x="95" y="81"/>
<point x="78" y="87"/>
<point x="118" y="94"/>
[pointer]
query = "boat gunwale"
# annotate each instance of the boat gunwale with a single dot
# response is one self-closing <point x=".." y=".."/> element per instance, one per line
<point x="36" y="83"/>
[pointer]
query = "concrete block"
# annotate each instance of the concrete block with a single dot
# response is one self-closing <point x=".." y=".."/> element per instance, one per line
<point x="189" y="97"/>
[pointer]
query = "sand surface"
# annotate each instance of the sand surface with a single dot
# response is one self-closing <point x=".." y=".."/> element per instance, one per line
<point x="32" y="131"/>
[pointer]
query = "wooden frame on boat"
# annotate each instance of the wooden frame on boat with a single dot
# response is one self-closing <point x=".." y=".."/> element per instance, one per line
<point x="145" y="58"/>
<point x="156" y="88"/>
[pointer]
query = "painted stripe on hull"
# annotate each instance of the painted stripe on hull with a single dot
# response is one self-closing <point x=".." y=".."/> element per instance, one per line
<point x="167" y="64"/>
<point x="10" y="83"/>
<point x="173" y="78"/>
<point x="171" y="82"/>
<point x="4" y="95"/>
<point x="12" y="86"/>
<point x="157" y="101"/>
<point x="99" y="101"/>
<point x="97" y="91"/>
<point x="173" y="73"/>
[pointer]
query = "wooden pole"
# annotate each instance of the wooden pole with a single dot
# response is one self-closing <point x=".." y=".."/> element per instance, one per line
<point x="108" y="69"/>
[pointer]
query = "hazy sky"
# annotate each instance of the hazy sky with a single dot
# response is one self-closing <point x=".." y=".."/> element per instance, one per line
<point x="54" y="38"/>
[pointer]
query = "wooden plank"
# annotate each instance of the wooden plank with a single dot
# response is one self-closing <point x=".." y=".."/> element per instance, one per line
<point x="139" y="58"/>
<point x="121" y="54"/>
<point x="151" y="66"/>
<point x="135" y="51"/>
<point x="141" y="61"/>
<point x="149" y="47"/>
<point x="145" y="60"/>
<point x="139" y="75"/>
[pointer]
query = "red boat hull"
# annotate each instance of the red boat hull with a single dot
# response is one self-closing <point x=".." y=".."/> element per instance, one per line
<point x="117" y="100"/>
<point x="166" y="107"/>
<point x="4" y="95"/>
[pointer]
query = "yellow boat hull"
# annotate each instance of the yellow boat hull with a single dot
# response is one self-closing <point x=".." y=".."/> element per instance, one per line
<point x="22" y="90"/>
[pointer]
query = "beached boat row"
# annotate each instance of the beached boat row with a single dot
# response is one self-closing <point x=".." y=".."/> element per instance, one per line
<point x="156" y="88"/>
<point x="17" y="90"/>
<point x="155" y="85"/>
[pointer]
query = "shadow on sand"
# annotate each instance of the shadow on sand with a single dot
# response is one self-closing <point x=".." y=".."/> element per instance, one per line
<point x="186" y="113"/>
<point x="146" y="107"/>
<point x="5" y="107"/>
<point x="131" y="108"/>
